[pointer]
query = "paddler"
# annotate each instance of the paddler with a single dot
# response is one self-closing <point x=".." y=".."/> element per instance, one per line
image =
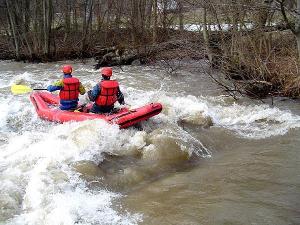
<point x="106" y="93"/>
<point x="70" y="88"/>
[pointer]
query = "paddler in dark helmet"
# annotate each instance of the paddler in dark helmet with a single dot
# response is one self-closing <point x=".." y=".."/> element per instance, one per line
<point x="105" y="93"/>
<point x="69" y="87"/>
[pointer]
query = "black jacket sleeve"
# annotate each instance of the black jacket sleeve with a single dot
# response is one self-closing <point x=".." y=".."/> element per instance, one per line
<point x="120" y="97"/>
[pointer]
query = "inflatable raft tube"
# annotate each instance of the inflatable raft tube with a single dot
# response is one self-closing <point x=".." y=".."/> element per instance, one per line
<point x="46" y="106"/>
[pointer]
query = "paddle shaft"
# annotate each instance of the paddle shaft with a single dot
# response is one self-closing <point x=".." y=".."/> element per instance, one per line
<point x="39" y="89"/>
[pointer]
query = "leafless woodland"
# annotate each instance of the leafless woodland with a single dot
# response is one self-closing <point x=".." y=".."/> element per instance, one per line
<point x="256" y="43"/>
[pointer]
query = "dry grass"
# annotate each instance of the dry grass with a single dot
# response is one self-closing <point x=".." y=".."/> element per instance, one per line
<point x="264" y="58"/>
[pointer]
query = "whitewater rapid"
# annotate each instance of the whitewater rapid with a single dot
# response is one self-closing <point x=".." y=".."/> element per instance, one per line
<point x="42" y="180"/>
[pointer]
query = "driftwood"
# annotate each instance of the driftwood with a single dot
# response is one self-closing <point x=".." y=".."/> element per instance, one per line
<point x="115" y="56"/>
<point x="257" y="88"/>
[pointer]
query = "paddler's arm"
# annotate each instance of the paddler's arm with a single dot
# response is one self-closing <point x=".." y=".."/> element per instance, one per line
<point x="120" y="97"/>
<point x="56" y="86"/>
<point x="81" y="89"/>
<point x="93" y="94"/>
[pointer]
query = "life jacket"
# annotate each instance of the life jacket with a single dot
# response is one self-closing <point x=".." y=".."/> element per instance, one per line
<point x="108" y="93"/>
<point x="70" y="89"/>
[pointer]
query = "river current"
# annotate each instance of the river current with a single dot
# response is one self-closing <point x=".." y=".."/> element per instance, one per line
<point x="206" y="159"/>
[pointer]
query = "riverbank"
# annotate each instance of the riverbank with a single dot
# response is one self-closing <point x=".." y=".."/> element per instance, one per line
<point x="120" y="50"/>
<point x="257" y="64"/>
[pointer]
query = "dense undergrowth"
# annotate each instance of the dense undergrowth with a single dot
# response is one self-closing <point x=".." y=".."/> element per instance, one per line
<point x="261" y="64"/>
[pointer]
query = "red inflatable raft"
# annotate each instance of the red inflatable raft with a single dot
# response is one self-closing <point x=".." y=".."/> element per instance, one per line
<point x="46" y="106"/>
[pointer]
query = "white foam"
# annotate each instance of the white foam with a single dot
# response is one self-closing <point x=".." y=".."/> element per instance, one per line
<point x="255" y="121"/>
<point x="3" y="112"/>
<point x="72" y="205"/>
<point x="36" y="160"/>
<point x="35" y="156"/>
<point x="88" y="70"/>
<point x="80" y="208"/>
<point x="249" y="121"/>
<point x="13" y="110"/>
<point x="181" y="107"/>
<point x="3" y="84"/>
<point x="23" y="78"/>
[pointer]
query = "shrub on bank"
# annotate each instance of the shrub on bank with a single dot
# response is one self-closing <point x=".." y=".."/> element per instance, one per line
<point x="265" y="62"/>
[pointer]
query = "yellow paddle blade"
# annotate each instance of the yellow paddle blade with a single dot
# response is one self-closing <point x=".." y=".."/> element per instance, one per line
<point x="20" y="89"/>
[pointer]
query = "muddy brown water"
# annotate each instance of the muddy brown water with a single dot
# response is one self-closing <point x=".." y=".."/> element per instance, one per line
<point x="206" y="159"/>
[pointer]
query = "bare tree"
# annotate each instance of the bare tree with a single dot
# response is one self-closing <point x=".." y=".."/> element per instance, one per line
<point x="294" y="8"/>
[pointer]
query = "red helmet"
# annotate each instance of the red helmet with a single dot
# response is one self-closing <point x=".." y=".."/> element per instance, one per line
<point x="106" y="71"/>
<point x="67" y="69"/>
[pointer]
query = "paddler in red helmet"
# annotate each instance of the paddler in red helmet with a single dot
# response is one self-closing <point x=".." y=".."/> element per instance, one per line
<point x="106" y="93"/>
<point x="70" y="88"/>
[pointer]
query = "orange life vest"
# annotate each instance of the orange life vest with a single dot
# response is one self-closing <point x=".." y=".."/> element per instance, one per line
<point x="108" y="93"/>
<point x="70" y="89"/>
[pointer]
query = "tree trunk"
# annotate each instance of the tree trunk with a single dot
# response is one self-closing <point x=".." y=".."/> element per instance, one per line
<point x="98" y="15"/>
<point x="164" y="14"/>
<point x="213" y="10"/>
<point x="234" y="16"/>
<point x="27" y="16"/>
<point x="297" y="29"/>
<point x="90" y="19"/>
<point x="206" y="36"/>
<point x="75" y="22"/>
<point x="180" y="15"/>
<point x="134" y="20"/>
<point x="154" y="33"/>
<point x="142" y="18"/>
<point x="47" y="15"/>
<point x="149" y="14"/>
<point x="67" y="18"/>
<point x="261" y="17"/>
<point x="13" y="30"/>
<point x="119" y="9"/>
<point x="87" y="23"/>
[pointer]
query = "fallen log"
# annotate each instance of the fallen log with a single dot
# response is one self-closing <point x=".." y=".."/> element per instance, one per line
<point x="256" y="88"/>
<point x="115" y="57"/>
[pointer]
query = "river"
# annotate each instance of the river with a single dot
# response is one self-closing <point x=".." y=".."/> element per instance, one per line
<point x="206" y="159"/>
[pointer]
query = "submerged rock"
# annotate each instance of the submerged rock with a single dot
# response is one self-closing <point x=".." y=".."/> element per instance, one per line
<point x="197" y="119"/>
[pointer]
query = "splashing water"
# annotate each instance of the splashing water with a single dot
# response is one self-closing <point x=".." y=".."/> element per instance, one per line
<point x="39" y="180"/>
